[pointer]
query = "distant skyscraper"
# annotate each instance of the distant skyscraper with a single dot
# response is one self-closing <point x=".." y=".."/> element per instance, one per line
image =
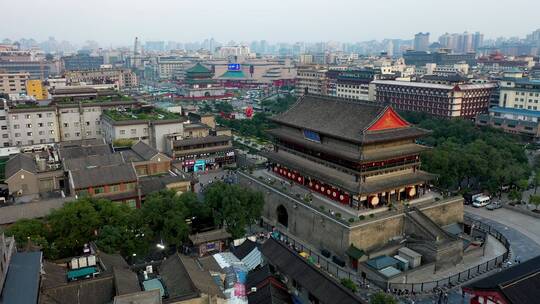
<point x="136" y="59"/>
<point x="478" y="40"/>
<point x="421" y="42"/>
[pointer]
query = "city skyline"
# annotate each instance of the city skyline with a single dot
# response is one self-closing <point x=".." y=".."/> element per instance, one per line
<point x="117" y="23"/>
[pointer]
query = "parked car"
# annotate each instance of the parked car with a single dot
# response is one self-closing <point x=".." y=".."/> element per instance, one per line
<point x="481" y="201"/>
<point x="326" y="253"/>
<point x="494" y="205"/>
<point x="470" y="197"/>
<point x="338" y="261"/>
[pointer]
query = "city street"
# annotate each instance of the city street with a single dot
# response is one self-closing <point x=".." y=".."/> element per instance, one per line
<point x="521" y="230"/>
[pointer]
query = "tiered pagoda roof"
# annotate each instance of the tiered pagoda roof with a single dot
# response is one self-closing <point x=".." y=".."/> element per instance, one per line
<point x="360" y="122"/>
<point x="347" y="129"/>
<point x="199" y="74"/>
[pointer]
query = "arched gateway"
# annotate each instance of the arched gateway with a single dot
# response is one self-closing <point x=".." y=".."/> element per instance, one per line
<point x="282" y="216"/>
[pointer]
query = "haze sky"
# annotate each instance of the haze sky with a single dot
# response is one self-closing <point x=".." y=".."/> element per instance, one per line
<point x="117" y="22"/>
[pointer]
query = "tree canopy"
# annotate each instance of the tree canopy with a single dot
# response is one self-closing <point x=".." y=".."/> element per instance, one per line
<point x="382" y="298"/>
<point x="116" y="228"/>
<point x="234" y="206"/>
<point x="467" y="156"/>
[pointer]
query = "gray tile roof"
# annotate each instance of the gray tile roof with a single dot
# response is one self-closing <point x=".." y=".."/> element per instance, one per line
<point x="324" y="288"/>
<point x="212" y="235"/>
<point x="125" y="281"/>
<point x="131" y="156"/>
<point x="85" y="162"/>
<point x="151" y="184"/>
<point x="141" y="297"/>
<point x="100" y="176"/>
<point x="201" y="277"/>
<point x="336" y="117"/>
<point x="82" y="143"/>
<point x="18" y="162"/>
<point x="80" y="151"/>
<point x="144" y="150"/>
<point x="176" y="279"/>
<point x="340" y="118"/>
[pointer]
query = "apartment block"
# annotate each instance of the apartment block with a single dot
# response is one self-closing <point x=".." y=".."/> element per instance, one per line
<point x="124" y="78"/>
<point x="148" y="124"/>
<point x="13" y="83"/>
<point x="32" y="125"/>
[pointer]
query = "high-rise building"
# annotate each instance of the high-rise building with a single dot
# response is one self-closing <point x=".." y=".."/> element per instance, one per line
<point x="449" y="101"/>
<point x="478" y="40"/>
<point x="421" y="42"/>
<point x="136" y="60"/>
<point x="462" y="43"/>
<point x="81" y="62"/>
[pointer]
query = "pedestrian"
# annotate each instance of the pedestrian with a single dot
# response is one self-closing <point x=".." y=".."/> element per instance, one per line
<point x="445" y="298"/>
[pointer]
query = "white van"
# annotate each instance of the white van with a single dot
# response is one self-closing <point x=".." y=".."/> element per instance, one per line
<point x="481" y="201"/>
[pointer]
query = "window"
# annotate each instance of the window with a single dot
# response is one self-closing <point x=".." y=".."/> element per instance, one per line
<point x="82" y="192"/>
<point x="5" y="135"/>
<point x="122" y="132"/>
<point x="50" y="124"/>
<point x="87" y="123"/>
<point x="4" y="127"/>
<point x="2" y="118"/>
<point x="133" y="131"/>
<point x="16" y="126"/>
<point x="98" y="190"/>
<point x="28" y="125"/>
<point x="311" y="135"/>
<point x="40" y="124"/>
<point x="51" y="131"/>
<point x="114" y="188"/>
<point x="41" y="132"/>
<point x="77" y="134"/>
<point x="130" y="186"/>
<point x="77" y="124"/>
<point x="40" y="115"/>
<point x="27" y="116"/>
<point x="29" y="133"/>
<point x="49" y="114"/>
<point x="66" y="135"/>
<point x="66" y="124"/>
<point x="15" y="117"/>
<point x="132" y="203"/>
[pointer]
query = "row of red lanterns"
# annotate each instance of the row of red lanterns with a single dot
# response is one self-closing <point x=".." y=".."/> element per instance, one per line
<point x="330" y="192"/>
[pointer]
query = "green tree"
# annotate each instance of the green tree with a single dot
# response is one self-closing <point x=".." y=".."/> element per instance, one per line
<point x="27" y="228"/>
<point x="536" y="180"/>
<point x="223" y="107"/>
<point x="349" y="284"/>
<point x="535" y="200"/>
<point x="382" y="298"/>
<point x="234" y="206"/>
<point x="206" y="108"/>
<point x="166" y="214"/>
<point x="73" y="225"/>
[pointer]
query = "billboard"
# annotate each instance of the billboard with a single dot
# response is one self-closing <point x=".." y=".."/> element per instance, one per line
<point x="233" y="67"/>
